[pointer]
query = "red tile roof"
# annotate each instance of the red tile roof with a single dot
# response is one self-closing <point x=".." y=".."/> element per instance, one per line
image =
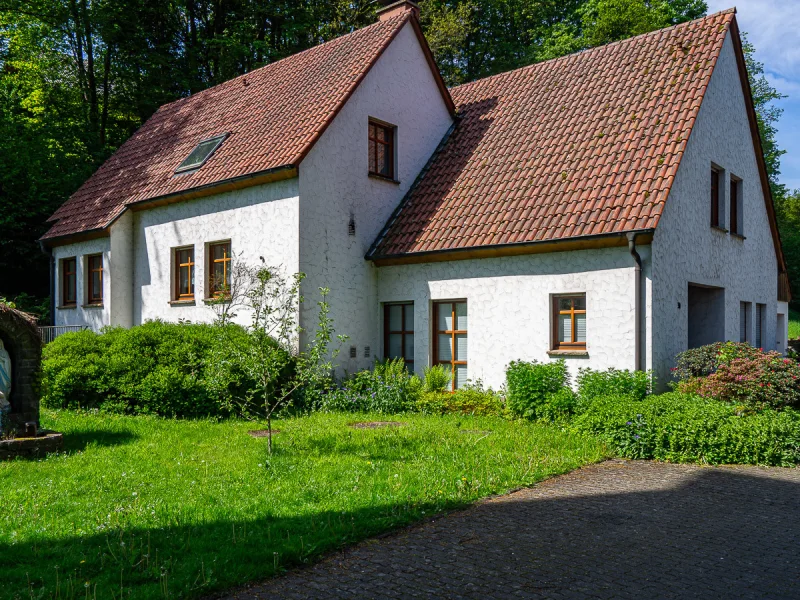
<point x="273" y="114"/>
<point x="579" y="146"/>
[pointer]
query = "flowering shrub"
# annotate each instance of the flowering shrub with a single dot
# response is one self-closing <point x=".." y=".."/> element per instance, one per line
<point x="388" y="388"/>
<point x="740" y="374"/>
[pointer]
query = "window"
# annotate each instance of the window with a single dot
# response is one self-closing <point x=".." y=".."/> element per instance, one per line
<point x="201" y="153"/>
<point x="184" y="273"/>
<point x="219" y="272"/>
<point x="69" y="282"/>
<point x="450" y="340"/>
<point x="715" y="179"/>
<point x="760" y="325"/>
<point x="569" y="319"/>
<point x="745" y="308"/>
<point x="381" y="150"/>
<point x="94" y="276"/>
<point x="398" y="327"/>
<point x="736" y="206"/>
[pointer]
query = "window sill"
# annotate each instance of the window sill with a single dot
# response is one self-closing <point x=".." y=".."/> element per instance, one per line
<point x="182" y="302"/>
<point x="216" y="300"/>
<point x="573" y="353"/>
<point x="738" y="236"/>
<point x="93" y="305"/>
<point x="718" y="228"/>
<point x="67" y="307"/>
<point x="383" y="178"/>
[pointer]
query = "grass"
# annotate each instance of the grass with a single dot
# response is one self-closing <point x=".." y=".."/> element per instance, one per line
<point x="794" y="324"/>
<point x="140" y="507"/>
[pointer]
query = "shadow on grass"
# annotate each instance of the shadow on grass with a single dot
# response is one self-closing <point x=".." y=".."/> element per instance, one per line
<point x="75" y="441"/>
<point x="715" y="533"/>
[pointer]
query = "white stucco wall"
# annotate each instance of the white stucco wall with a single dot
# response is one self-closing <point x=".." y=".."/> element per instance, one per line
<point x="687" y="250"/>
<point x="259" y="221"/>
<point x="121" y="267"/>
<point x="94" y="317"/>
<point x="401" y="90"/>
<point x="508" y="306"/>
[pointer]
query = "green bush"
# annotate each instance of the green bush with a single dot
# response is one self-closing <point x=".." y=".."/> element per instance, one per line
<point x="436" y="378"/>
<point x="613" y="382"/>
<point x="388" y="388"/>
<point x="167" y="369"/>
<point x="679" y="427"/>
<point x="472" y="399"/>
<point x="531" y="386"/>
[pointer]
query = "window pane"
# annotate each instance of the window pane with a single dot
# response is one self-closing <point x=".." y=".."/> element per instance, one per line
<point x="461" y="316"/>
<point x="580" y="303"/>
<point x="97" y="289"/>
<point x="183" y="286"/>
<point x="580" y="328"/>
<point x="381" y="133"/>
<point x="372" y="166"/>
<point x="221" y="251"/>
<point x="445" y="350"/>
<point x="445" y="322"/>
<point x="381" y="159"/>
<point x="461" y="346"/>
<point x="395" y="345"/>
<point x="461" y="376"/>
<point x="220" y="277"/>
<point x="395" y="317"/>
<point x="409" y="317"/>
<point x="564" y="328"/>
<point x="409" y="347"/>
<point x="564" y="303"/>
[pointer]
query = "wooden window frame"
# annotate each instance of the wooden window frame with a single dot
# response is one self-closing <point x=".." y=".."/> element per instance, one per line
<point x="557" y="312"/>
<point x="437" y="306"/>
<point x="64" y="286"/>
<point x="735" y="205"/>
<point x="403" y="332"/>
<point x="191" y="265"/>
<point x="389" y="133"/>
<point x="226" y="266"/>
<point x="716" y="178"/>
<point x="93" y="299"/>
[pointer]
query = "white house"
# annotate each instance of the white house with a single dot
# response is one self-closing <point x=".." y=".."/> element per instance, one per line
<point x="610" y="207"/>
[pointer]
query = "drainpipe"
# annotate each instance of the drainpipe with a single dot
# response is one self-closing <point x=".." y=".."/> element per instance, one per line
<point x="637" y="307"/>
<point x="52" y="258"/>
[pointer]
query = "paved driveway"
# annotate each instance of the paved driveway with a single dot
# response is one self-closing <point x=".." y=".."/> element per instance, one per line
<point x="619" y="529"/>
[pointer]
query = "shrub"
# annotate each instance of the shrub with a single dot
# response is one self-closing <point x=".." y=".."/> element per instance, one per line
<point x="530" y="386"/>
<point x="389" y="389"/>
<point x="472" y="399"/>
<point x="613" y="382"/>
<point x="436" y="378"/>
<point x="685" y="428"/>
<point x="740" y="374"/>
<point x="157" y="368"/>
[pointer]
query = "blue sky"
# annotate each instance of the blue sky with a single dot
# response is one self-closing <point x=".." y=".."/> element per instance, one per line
<point x="773" y="26"/>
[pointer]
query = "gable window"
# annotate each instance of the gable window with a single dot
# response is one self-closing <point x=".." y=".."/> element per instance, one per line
<point x="450" y="340"/>
<point x="184" y="273"/>
<point x="715" y="181"/>
<point x="219" y="272"/>
<point x="381" y="150"/>
<point x="94" y="279"/>
<point x="69" y="281"/>
<point x="201" y="153"/>
<point x="736" y="206"/>
<point x="569" y="320"/>
<point x="398" y="332"/>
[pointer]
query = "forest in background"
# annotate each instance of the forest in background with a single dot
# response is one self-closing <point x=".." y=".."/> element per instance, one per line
<point x="78" y="77"/>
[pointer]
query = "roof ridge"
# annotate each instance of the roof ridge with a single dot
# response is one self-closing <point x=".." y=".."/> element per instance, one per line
<point x="404" y="16"/>
<point x="587" y="51"/>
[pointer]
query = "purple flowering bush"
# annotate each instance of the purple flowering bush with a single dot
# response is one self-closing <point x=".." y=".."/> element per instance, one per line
<point x="740" y="374"/>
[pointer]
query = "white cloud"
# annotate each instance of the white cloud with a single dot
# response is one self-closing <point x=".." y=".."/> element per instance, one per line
<point x="772" y="26"/>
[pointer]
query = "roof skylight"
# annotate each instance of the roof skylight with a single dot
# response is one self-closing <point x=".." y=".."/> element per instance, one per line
<point x="201" y="153"/>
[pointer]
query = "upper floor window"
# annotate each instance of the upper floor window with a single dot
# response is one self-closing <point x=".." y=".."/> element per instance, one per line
<point x="715" y="194"/>
<point x="398" y="323"/>
<point x="94" y="277"/>
<point x="69" y="282"/>
<point x="736" y="206"/>
<point x="184" y="273"/>
<point x="381" y="150"/>
<point x="569" y="321"/>
<point x="219" y="272"/>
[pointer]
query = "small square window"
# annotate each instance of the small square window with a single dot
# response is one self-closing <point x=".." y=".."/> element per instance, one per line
<point x="381" y="150"/>
<point x="569" y="322"/>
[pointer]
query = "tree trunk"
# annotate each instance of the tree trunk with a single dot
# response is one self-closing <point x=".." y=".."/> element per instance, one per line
<point x="104" y="116"/>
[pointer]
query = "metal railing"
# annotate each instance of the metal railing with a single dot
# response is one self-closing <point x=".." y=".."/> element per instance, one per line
<point x="50" y="333"/>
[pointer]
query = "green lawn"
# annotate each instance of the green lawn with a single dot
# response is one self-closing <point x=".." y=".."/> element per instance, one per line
<point x="794" y="324"/>
<point x="142" y="507"/>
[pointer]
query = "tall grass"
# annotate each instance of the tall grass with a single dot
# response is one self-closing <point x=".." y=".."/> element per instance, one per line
<point x="140" y="507"/>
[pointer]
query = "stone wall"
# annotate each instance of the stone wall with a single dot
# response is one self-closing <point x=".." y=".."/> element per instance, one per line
<point x="21" y="339"/>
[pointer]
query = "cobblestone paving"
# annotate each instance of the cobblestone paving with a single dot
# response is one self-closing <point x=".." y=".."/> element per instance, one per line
<point x="619" y="529"/>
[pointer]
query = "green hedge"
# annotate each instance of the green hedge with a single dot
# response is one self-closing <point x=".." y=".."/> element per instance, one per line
<point x="539" y="390"/>
<point x="684" y="428"/>
<point x="167" y="369"/>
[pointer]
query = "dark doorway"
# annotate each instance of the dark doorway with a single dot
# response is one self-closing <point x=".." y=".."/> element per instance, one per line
<point x="706" y="315"/>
